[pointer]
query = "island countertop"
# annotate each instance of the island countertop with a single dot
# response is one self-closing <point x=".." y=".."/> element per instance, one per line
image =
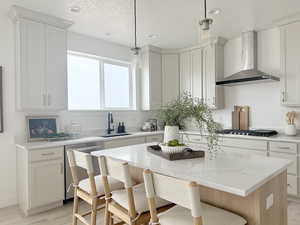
<point x="236" y="173"/>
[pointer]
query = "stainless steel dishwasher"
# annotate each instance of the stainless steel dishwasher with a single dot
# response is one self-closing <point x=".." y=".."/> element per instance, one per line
<point x="82" y="147"/>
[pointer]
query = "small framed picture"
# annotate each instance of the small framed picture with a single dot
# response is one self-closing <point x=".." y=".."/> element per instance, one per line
<point x="39" y="128"/>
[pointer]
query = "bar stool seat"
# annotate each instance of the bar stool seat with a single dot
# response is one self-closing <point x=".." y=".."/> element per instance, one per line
<point x="114" y="185"/>
<point x="140" y="199"/>
<point x="178" y="215"/>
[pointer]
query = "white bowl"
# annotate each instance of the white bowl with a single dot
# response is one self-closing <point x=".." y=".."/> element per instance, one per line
<point x="172" y="149"/>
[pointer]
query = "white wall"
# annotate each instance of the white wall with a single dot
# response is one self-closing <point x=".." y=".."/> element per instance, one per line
<point x="264" y="98"/>
<point x="14" y="122"/>
<point x="7" y="159"/>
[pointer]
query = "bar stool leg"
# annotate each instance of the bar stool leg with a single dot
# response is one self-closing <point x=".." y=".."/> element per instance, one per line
<point x="94" y="212"/>
<point x="75" y="207"/>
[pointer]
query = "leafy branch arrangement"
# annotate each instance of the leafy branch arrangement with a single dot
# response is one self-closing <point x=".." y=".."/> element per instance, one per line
<point x="177" y="112"/>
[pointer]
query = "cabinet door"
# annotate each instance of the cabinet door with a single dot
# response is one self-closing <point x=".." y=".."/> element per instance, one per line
<point x="290" y="36"/>
<point x="155" y="80"/>
<point x="46" y="183"/>
<point x="56" y="68"/>
<point x="209" y="75"/>
<point x="196" y="71"/>
<point x="185" y="73"/>
<point x="170" y="74"/>
<point x="31" y="75"/>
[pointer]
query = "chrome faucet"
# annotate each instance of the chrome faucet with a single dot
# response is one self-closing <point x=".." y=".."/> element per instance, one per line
<point x="110" y="122"/>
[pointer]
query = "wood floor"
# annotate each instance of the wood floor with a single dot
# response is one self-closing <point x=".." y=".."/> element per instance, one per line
<point x="62" y="216"/>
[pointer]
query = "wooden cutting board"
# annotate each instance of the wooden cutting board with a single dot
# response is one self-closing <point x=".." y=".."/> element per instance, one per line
<point x="244" y="118"/>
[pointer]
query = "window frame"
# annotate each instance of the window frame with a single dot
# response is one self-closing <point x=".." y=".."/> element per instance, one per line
<point x="132" y="84"/>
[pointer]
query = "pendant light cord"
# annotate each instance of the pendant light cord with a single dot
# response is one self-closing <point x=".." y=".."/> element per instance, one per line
<point x="135" y="32"/>
<point x="205" y="9"/>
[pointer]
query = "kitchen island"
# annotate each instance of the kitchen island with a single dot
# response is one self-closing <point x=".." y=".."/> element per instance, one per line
<point x="252" y="186"/>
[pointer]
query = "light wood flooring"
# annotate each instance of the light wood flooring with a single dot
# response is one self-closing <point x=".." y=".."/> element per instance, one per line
<point x="62" y="216"/>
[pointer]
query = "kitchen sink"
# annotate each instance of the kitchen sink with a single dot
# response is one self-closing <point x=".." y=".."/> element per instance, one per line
<point x="115" y="135"/>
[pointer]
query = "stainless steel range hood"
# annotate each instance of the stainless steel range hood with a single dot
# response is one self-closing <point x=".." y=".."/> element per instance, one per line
<point x="249" y="72"/>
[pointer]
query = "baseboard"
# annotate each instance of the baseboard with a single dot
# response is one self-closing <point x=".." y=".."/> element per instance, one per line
<point x="8" y="202"/>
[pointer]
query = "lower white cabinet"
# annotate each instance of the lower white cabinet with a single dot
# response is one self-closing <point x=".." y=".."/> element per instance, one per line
<point x="155" y="138"/>
<point x="40" y="179"/>
<point x="46" y="182"/>
<point x="124" y="142"/>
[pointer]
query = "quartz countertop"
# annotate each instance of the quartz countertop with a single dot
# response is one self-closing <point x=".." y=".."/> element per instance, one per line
<point x="52" y="144"/>
<point x="236" y="173"/>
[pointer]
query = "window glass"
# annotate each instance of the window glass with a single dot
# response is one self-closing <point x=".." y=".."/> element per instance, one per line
<point x="83" y="83"/>
<point x="116" y="86"/>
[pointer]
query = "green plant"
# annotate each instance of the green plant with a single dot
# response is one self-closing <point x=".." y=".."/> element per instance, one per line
<point x="177" y="112"/>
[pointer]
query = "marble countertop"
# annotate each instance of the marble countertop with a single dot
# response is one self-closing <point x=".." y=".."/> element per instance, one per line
<point x="236" y="173"/>
<point x="52" y="144"/>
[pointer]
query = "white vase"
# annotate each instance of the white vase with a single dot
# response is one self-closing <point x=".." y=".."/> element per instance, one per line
<point x="290" y="130"/>
<point x="171" y="133"/>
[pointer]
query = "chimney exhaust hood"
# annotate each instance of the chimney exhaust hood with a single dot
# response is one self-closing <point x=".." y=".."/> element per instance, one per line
<point x="249" y="72"/>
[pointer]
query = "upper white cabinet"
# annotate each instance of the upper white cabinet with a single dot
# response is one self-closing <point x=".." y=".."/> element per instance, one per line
<point x="170" y="77"/>
<point x="185" y="72"/>
<point x="290" y="66"/>
<point x="41" y="61"/>
<point x="151" y="78"/>
<point x="200" y="67"/>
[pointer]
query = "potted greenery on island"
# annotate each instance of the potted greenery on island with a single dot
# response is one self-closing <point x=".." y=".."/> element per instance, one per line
<point x="176" y="113"/>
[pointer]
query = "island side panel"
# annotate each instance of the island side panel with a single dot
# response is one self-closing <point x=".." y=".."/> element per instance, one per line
<point x="253" y="206"/>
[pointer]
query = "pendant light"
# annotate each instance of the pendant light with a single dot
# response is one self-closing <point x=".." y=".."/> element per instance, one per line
<point x="135" y="49"/>
<point x="206" y="22"/>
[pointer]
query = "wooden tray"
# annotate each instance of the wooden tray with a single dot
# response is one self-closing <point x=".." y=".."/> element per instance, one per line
<point x="187" y="154"/>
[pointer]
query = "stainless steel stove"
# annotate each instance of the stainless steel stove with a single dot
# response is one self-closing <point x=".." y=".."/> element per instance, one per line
<point x="259" y="132"/>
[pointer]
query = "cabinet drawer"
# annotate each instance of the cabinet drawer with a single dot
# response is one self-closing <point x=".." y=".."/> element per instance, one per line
<point x="292" y="169"/>
<point x="46" y="154"/>
<point x="194" y="139"/>
<point x="245" y="151"/>
<point x="245" y="144"/>
<point x="292" y="185"/>
<point x="283" y="147"/>
<point x="155" y="138"/>
<point x="124" y="142"/>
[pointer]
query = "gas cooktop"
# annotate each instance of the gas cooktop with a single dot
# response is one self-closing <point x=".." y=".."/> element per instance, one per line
<point x="259" y="133"/>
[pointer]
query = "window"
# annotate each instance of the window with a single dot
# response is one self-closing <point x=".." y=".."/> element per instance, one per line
<point x="99" y="84"/>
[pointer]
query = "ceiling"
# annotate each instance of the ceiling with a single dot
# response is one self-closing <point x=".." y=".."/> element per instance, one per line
<point x="173" y="22"/>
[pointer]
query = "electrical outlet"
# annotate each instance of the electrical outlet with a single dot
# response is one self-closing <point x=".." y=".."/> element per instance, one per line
<point x="269" y="201"/>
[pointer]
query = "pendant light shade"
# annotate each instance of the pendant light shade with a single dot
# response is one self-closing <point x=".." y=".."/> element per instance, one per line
<point x="206" y="22"/>
<point x="135" y="49"/>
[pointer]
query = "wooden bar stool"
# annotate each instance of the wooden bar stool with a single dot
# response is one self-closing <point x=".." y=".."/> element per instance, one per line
<point x="90" y="190"/>
<point x="129" y="205"/>
<point x="189" y="210"/>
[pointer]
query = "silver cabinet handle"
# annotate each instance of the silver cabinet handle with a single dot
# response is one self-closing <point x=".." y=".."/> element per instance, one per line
<point x="48" y="154"/>
<point x="284" y="148"/>
<point x="49" y="99"/>
<point x="283" y="96"/>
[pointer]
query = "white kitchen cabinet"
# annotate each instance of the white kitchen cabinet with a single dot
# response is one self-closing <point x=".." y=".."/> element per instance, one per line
<point x="41" y="61"/>
<point x="124" y="142"/>
<point x="46" y="182"/>
<point x="151" y="78"/>
<point x="170" y="77"/>
<point x="290" y="67"/>
<point x="185" y="72"/>
<point x="40" y="179"/>
<point x="200" y="67"/>
<point x="155" y="138"/>
<point x="196" y="73"/>
<point x="56" y="68"/>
